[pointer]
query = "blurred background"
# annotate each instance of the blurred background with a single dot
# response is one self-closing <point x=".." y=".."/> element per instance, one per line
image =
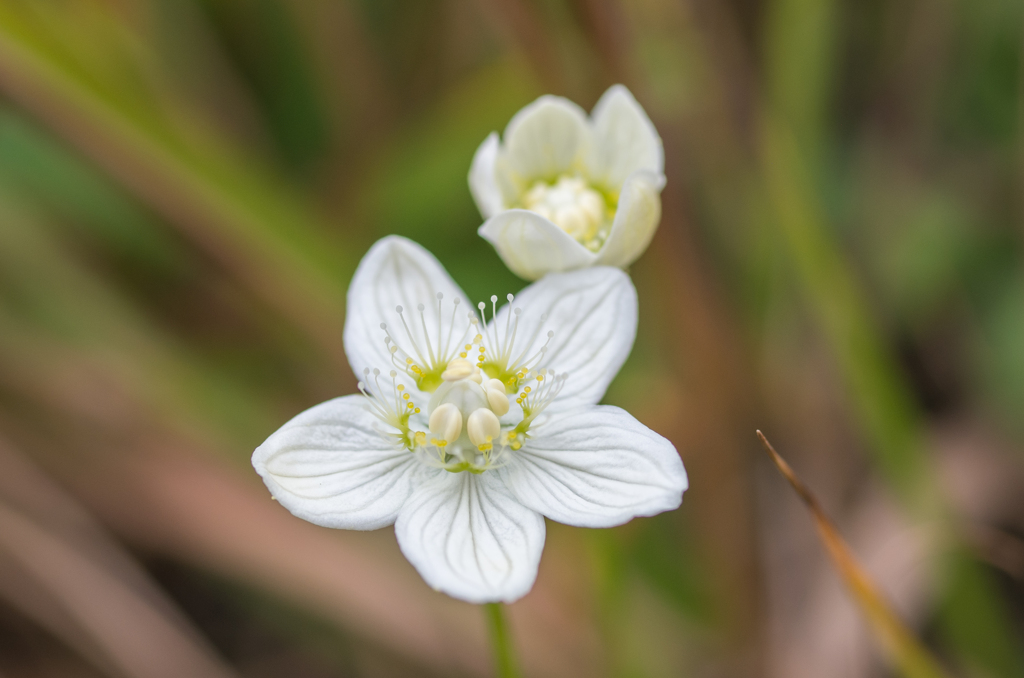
<point x="186" y="187"/>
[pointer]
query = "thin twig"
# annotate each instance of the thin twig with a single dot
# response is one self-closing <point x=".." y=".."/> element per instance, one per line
<point x="908" y="653"/>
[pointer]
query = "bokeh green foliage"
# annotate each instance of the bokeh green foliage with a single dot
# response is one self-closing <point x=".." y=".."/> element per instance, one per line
<point x="186" y="188"/>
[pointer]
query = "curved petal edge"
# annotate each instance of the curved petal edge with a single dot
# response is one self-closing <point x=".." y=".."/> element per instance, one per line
<point x="395" y="272"/>
<point x="597" y="467"/>
<point x="532" y="246"/>
<point x="546" y="138"/>
<point x="625" y="139"/>
<point x="468" y="537"/>
<point x="482" y="182"/>
<point x="331" y="467"/>
<point x="593" y="314"/>
<point x="636" y="220"/>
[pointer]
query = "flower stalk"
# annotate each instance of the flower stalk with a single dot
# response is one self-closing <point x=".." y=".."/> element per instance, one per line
<point x="501" y="642"/>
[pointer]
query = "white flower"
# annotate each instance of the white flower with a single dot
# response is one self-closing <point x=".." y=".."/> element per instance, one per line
<point x="565" y="192"/>
<point x="475" y="423"/>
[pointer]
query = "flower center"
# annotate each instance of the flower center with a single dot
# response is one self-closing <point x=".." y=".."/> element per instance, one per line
<point x="468" y="399"/>
<point x="575" y="207"/>
<point x="464" y="417"/>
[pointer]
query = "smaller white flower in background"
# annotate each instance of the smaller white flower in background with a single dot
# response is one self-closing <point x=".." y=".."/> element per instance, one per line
<point x="468" y="431"/>
<point x="563" y="192"/>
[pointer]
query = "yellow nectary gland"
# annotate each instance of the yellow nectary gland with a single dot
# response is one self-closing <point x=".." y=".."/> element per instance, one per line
<point x="394" y="411"/>
<point x="574" y="206"/>
<point x="427" y="381"/>
<point x="424" y="349"/>
<point x="499" y="357"/>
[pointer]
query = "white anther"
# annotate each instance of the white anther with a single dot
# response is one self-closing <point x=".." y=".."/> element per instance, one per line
<point x="497" y="400"/>
<point x="591" y="203"/>
<point x="446" y="422"/>
<point x="483" y="427"/>
<point x="572" y="205"/>
<point x="459" y="369"/>
<point x="573" y="221"/>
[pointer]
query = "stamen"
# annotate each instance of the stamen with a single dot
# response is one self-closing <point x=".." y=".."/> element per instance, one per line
<point x="506" y="349"/>
<point x="451" y="326"/>
<point x="496" y="355"/>
<point x="395" y="411"/>
<point x="534" y="402"/>
<point x="422" y="356"/>
<point x="575" y="206"/>
<point x="426" y="335"/>
<point x="412" y="339"/>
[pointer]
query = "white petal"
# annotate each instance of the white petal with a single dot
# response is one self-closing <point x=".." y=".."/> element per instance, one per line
<point x="482" y="182"/>
<point x="593" y="313"/>
<point x="624" y="139"/>
<point x="532" y="246"/>
<point x="398" y="272"/>
<point x="636" y="220"/>
<point x="547" y="138"/>
<point x="469" y="537"/>
<point x="596" y="467"/>
<point x="330" y="466"/>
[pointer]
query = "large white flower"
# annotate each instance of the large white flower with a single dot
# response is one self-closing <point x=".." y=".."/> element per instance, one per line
<point x="475" y="423"/>
<point x="565" y="192"/>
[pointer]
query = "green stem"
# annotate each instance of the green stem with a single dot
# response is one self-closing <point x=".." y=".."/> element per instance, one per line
<point x="504" y="660"/>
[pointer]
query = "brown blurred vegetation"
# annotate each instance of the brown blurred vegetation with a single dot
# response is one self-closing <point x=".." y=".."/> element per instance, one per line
<point x="186" y="187"/>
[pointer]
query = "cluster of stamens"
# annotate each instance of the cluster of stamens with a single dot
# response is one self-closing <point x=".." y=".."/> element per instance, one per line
<point x="424" y="361"/>
<point x="394" y="411"/>
<point x="534" y="400"/>
<point x="469" y="389"/>
<point x="573" y="205"/>
<point x="496" y="354"/>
